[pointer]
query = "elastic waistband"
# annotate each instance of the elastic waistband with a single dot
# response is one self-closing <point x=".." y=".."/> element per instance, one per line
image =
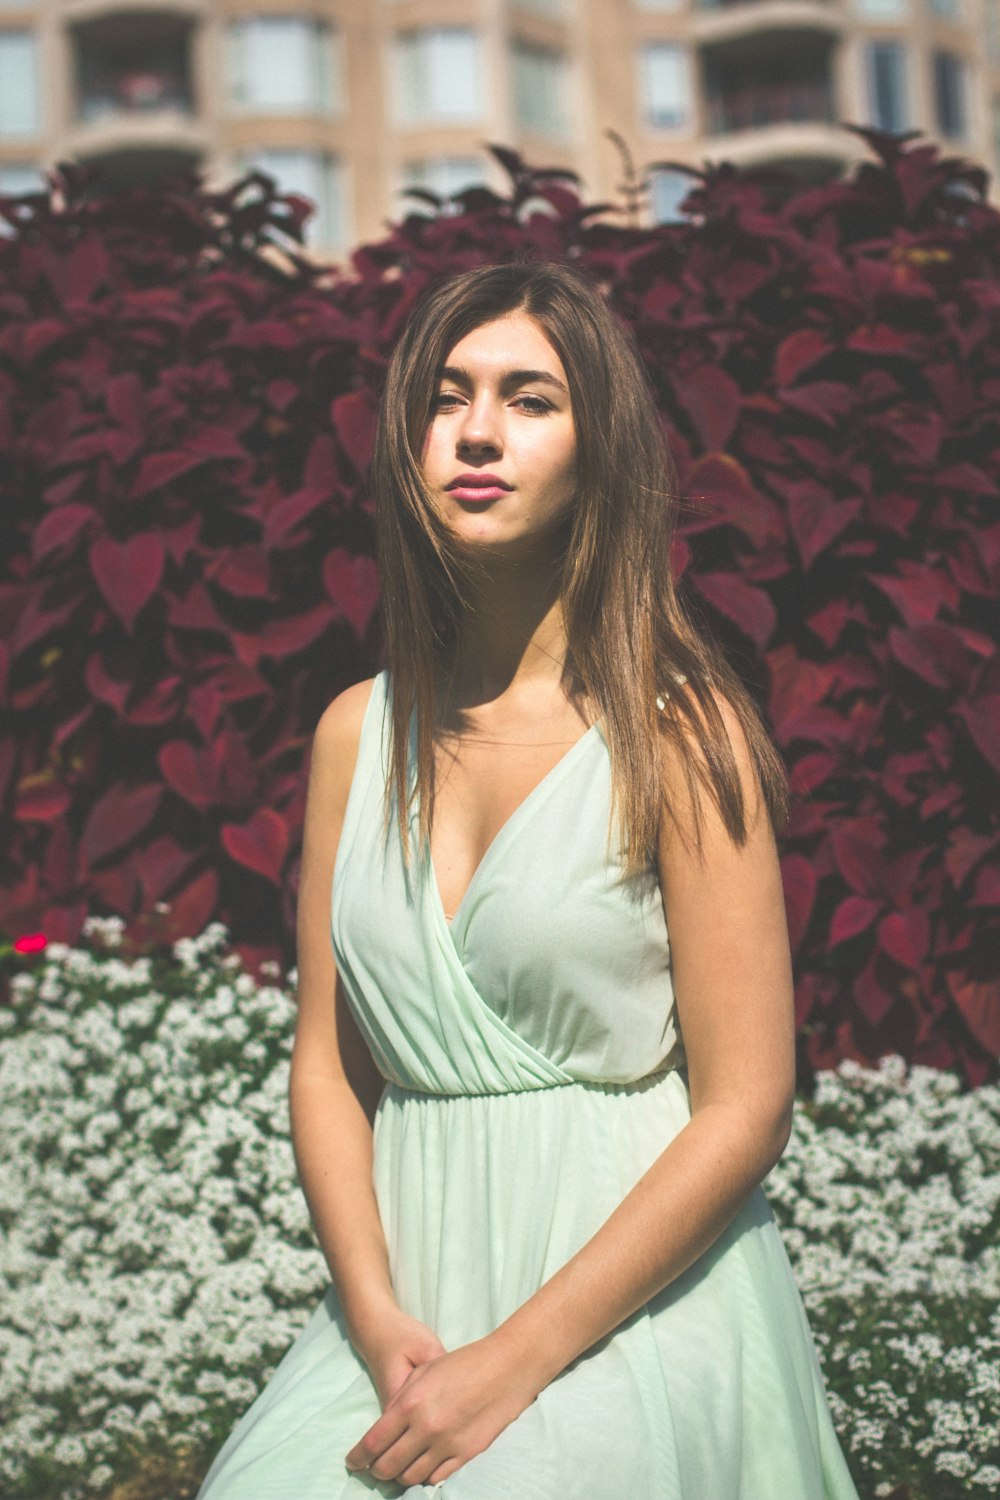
<point x="629" y="1089"/>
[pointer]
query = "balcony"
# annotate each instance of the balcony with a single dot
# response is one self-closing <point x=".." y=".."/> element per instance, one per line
<point x="728" y="20"/>
<point x="703" y="5"/>
<point x="132" y="64"/>
<point x="748" y="106"/>
<point x="133" y="90"/>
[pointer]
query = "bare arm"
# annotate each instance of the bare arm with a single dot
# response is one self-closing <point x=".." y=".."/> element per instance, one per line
<point x="733" y="982"/>
<point x="334" y="1085"/>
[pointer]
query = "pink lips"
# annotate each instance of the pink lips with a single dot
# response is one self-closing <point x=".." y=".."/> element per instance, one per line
<point x="476" y="492"/>
<point x="478" y="487"/>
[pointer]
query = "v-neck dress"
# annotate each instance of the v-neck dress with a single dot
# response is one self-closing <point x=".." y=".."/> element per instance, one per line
<point x="534" y="1071"/>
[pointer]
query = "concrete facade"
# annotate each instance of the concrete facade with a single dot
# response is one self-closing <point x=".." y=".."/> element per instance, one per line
<point x="349" y="100"/>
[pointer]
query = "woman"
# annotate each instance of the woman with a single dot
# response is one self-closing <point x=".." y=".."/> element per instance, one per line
<point x="530" y="1128"/>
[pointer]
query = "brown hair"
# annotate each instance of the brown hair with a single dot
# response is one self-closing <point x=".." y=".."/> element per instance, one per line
<point x="633" y="646"/>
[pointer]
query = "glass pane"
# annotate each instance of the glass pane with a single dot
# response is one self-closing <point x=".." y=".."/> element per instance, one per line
<point x="444" y="174"/>
<point x="887" y="85"/>
<point x="993" y="29"/>
<point x="21" y="177"/>
<point x="19" y="106"/>
<point x="452" y="74"/>
<point x="666" y="85"/>
<point x="882" y="10"/>
<point x="314" y="175"/>
<point x="408" y="86"/>
<point x="538" y="89"/>
<point x="281" y="64"/>
<point x="949" y="93"/>
<point x="669" y="189"/>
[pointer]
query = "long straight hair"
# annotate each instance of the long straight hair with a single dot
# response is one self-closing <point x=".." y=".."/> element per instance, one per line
<point x="632" y="643"/>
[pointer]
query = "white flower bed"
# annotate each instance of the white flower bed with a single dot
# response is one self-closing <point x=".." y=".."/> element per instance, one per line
<point x="156" y="1256"/>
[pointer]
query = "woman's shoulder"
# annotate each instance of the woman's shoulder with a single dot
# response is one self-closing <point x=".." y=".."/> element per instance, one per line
<point x="340" y="723"/>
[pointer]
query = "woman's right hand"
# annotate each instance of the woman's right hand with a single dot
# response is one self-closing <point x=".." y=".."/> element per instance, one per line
<point x="393" y="1347"/>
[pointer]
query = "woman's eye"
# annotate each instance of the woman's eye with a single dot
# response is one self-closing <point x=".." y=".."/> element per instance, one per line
<point x="537" y="405"/>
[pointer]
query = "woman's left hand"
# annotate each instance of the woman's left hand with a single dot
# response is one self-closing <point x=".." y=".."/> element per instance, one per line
<point x="445" y="1412"/>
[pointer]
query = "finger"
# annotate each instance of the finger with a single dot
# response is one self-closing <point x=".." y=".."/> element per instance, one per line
<point x="391" y="1463"/>
<point x="444" y="1471"/>
<point x="380" y="1436"/>
<point x="420" y="1471"/>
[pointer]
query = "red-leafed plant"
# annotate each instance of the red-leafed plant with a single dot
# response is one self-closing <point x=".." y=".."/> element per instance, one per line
<point x="185" y="431"/>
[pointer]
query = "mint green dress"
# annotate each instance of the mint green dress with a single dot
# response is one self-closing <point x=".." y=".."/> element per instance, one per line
<point x="534" y="1070"/>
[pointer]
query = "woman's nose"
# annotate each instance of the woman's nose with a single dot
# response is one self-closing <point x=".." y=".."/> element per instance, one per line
<point x="480" y="427"/>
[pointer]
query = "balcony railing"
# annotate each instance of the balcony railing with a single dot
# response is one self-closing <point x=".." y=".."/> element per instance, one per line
<point x="748" y="105"/>
<point x="135" y="91"/>
<point x="728" y="4"/>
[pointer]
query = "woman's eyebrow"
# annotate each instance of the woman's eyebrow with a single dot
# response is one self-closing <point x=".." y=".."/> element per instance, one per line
<point x="508" y="379"/>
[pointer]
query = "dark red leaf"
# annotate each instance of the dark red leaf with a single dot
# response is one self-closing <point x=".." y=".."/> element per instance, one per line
<point x="853" y="915"/>
<point x="920" y="593"/>
<point x="979" y="1002"/>
<point x="815" y="519"/>
<point x="127" y="573"/>
<point x="712" y="400"/>
<point x="260" y="845"/>
<point x="283" y="637"/>
<point x="934" y="652"/>
<point x="982" y="719"/>
<point x="40" y="798"/>
<point x="158" y="469"/>
<point x="116" y="818"/>
<point x="873" y="999"/>
<point x="353" y="585"/>
<point x="905" y="936"/>
<point x="797" y="352"/>
<point x="244" y="571"/>
<point x="799" y="882"/>
<point x="58" y="527"/>
<point x="107" y="689"/>
<point x="748" y="607"/>
<point x="354" y="420"/>
<point x="160" y="863"/>
<point x="857" y="848"/>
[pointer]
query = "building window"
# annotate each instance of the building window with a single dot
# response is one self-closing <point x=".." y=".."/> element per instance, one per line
<point x="539" y="89"/>
<point x="669" y="189"/>
<point x="437" y="75"/>
<point x="949" y="93"/>
<point x="283" y="65"/>
<point x="445" y="176"/>
<point x="666" y="85"/>
<point x="18" y="177"/>
<point x="543" y="7"/>
<point x="128" y="64"/>
<point x="20" y="113"/>
<point x="312" y="174"/>
<point x="993" y="29"/>
<point x="882" y="10"/>
<point x="887" y="103"/>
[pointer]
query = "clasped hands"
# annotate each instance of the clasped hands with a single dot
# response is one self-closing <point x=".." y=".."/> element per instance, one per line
<point x="439" y="1408"/>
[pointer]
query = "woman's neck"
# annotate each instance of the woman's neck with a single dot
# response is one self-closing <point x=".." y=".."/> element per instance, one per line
<point x="512" y="637"/>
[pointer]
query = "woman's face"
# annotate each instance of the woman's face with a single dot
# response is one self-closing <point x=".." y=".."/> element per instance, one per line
<point x="501" y="411"/>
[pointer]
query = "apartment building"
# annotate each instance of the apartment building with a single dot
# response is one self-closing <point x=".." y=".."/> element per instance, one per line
<point x="352" y="101"/>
